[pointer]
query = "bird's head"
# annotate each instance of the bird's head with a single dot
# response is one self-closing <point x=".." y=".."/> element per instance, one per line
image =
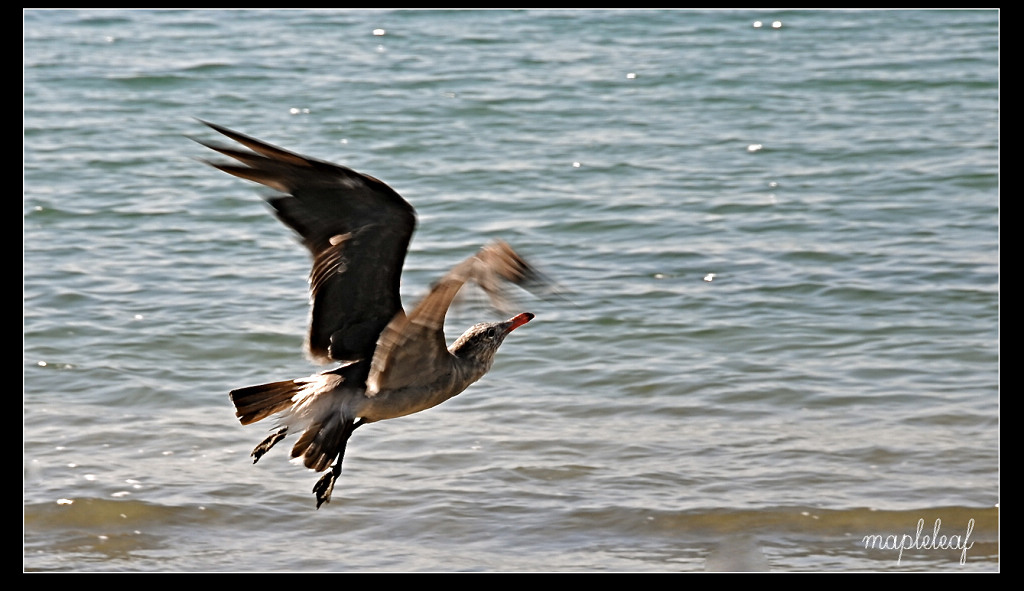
<point x="481" y="341"/>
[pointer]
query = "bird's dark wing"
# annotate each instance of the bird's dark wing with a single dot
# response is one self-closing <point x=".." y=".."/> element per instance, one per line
<point x="412" y="345"/>
<point x="355" y="226"/>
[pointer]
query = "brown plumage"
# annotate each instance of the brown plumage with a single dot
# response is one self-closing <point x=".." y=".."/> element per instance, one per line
<point x="393" y="363"/>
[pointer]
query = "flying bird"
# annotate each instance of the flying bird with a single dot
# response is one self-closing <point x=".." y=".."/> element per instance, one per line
<point x="392" y="362"/>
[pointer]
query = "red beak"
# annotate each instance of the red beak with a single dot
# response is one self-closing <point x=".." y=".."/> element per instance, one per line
<point x="520" y="320"/>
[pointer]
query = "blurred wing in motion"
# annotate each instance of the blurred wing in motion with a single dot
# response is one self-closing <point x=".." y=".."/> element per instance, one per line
<point x="412" y="343"/>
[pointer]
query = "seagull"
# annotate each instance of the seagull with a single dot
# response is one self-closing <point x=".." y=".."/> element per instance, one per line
<point x="392" y="362"/>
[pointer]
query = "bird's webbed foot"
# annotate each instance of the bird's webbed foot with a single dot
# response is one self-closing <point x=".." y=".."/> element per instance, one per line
<point x="268" y="443"/>
<point x="325" y="486"/>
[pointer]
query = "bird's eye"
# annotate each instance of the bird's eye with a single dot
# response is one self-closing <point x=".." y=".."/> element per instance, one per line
<point x="491" y="332"/>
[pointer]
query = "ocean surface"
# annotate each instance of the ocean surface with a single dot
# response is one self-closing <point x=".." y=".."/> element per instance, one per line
<point x="775" y="236"/>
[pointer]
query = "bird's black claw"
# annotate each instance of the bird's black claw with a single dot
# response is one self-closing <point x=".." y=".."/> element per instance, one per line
<point x="325" y="486"/>
<point x="268" y="443"/>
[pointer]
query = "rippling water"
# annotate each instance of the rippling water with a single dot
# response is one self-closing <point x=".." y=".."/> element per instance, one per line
<point x="777" y="234"/>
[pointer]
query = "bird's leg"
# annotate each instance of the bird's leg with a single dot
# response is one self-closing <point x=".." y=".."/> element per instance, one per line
<point x="325" y="486"/>
<point x="268" y="443"/>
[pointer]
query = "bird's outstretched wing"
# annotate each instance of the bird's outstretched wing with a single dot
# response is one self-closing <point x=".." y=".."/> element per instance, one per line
<point x="355" y="226"/>
<point x="412" y="344"/>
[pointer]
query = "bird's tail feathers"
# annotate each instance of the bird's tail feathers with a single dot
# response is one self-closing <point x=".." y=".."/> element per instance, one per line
<point x="255" y="403"/>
